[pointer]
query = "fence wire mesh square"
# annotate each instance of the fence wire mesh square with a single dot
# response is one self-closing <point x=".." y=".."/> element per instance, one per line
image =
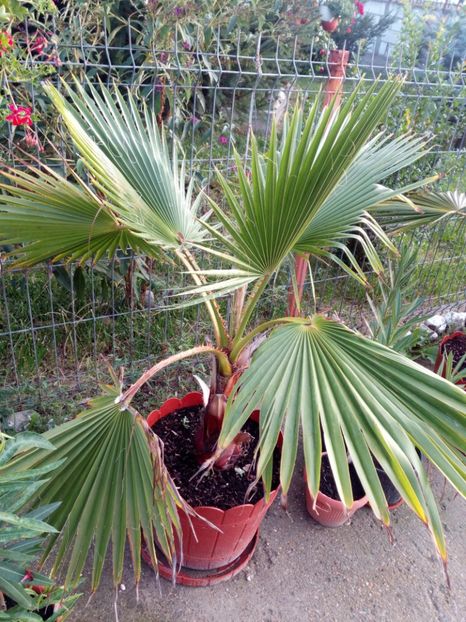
<point x="60" y="324"/>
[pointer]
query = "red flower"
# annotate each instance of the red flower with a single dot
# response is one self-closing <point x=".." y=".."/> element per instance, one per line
<point x="348" y="29"/>
<point x="32" y="141"/>
<point x="223" y="140"/>
<point x="6" y="42"/>
<point x="28" y="576"/>
<point x="38" y="44"/>
<point x="360" y="7"/>
<point x="20" y="115"/>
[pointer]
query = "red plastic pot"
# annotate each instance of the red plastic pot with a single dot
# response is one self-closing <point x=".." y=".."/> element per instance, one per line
<point x="234" y="539"/>
<point x="331" y="512"/>
<point x="441" y="350"/>
<point x="337" y="63"/>
<point x="330" y="25"/>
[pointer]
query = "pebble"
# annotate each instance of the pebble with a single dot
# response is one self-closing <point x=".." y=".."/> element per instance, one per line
<point x="437" y="323"/>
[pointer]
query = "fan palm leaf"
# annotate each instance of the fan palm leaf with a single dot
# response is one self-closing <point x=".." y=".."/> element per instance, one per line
<point x="128" y="157"/>
<point x="289" y="185"/>
<point x="137" y="195"/>
<point x="363" y="401"/>
<point x="344" y="215"/>
<point x="402" y="213"/>
<point x="54" y="219"/>
<point x="112" y="485"/>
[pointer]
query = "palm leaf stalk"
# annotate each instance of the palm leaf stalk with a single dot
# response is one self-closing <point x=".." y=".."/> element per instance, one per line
<point x="310" y="191"/>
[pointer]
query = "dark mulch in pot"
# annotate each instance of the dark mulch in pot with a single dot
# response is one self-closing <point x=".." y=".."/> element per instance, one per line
<point x="390" y="491"/>
<point x="222" y="489"/>
<point x="327" y="482"/>
<point x="457" y="347"/>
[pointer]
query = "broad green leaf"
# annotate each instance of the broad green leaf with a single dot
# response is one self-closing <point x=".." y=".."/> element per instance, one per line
<point x="14" y="589"/>
<point x="30" y="524"/>
<point x="289" y="185"/>
<point x="22" y="441"/>
<point x="363" y="401"/>
<point x="112" y="484"/>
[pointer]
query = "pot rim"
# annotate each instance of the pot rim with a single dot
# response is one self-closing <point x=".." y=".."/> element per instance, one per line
<point x="188" y="399"/>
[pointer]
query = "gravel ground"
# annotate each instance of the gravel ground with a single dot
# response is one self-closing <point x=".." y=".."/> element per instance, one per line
<point x="303" y="572"/>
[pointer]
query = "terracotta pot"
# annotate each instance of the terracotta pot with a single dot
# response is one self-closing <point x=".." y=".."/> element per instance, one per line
<point x="330" y="25"/>
<point x="332" y="512"/>
<point x="337" y="62"/>
<point x="438" y="361"/>
<point x="237" y="526"/>
<point x="393" y="497"/>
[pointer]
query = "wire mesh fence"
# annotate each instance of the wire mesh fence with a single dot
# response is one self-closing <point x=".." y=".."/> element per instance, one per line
<point x="60" y="323"/>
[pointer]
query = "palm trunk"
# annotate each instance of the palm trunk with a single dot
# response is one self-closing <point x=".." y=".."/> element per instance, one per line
<point x="294" y="302"/>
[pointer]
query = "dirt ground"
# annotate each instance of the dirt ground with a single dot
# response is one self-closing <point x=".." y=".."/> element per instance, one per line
<point x="302" y="572"/>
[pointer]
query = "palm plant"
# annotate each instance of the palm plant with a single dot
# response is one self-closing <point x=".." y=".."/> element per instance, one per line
<point x="307" y="194"/>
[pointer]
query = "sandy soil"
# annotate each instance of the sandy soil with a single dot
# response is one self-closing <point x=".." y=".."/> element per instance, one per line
<point x="303" y="572"/>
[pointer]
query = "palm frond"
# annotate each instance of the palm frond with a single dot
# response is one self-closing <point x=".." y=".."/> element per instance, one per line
<point x="360" y="189"/>
<point x="289" y="185"/>
<point x="112" y="485"/>
<point x="137" y="196"/>
<point x="402" y="213"/>
<point x="363" y="401"/>
<point x="129" y="159"/>
<point x="53" y="218"/>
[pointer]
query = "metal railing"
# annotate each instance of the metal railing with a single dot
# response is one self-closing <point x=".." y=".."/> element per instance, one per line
<point x="58" y="323"/>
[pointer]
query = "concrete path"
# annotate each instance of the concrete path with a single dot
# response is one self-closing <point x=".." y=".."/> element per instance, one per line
<point x="302" y="572"/>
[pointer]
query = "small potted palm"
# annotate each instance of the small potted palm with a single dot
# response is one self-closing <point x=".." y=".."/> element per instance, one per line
<point x="273" y="378"/>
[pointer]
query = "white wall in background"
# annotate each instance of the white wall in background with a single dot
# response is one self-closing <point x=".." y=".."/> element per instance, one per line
<point x="390" y="37"/>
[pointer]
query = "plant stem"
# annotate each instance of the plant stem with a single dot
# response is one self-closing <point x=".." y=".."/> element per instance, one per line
<point x="222" y="358"/>
<point x="242" y="343"/>
<point x="294" y="302"/>
<point x="221" y="336"/>
<point x="250" y="306"/>
<point x="237" y="308"/>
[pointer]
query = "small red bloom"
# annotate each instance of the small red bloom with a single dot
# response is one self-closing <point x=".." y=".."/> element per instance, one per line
<point x="6" y="42"/>
<point x="28" y="576"/>
<point x="32" y="141"/>
<point x="360" y="7"/>
<point x="348" y="29"/>
<point x="223" y="140"/>
<point x="20" y="115"/>
<point x="38" y="44"/>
